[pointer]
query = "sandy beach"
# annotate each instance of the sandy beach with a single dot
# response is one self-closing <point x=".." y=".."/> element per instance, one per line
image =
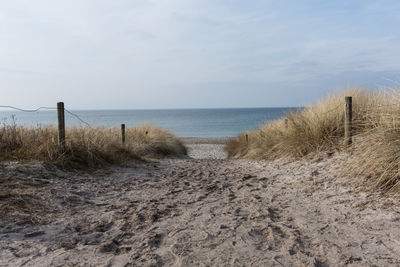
<point x="201" y="210"/>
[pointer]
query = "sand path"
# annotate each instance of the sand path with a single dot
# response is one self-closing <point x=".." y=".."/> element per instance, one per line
<point x="203" y="211"/>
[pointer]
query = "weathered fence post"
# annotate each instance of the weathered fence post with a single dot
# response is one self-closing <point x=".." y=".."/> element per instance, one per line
<point x="123" y="133"/>
<point x="348" y="116"/>
<point x="61" y="127"/>
<point x="247" y="138"/>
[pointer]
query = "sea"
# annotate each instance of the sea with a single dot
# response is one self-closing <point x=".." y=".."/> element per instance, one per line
<point x="222" y="122"/>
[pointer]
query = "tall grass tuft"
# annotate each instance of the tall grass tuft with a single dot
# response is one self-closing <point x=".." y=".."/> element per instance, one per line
<point x="87" y="146"/>
<point x="376" y="154"/>
<point x="313" y="129"/>
<point x="320" y="127"/>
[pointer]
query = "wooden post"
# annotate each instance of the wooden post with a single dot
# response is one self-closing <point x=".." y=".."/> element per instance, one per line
<point x="348" y="116"/>
<point x="247" y="138"/>
<point x="123" y="133"/>
<point x="61" y="127"/>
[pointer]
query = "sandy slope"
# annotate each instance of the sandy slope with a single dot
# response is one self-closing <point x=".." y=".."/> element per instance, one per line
<point x="198" y="212"/>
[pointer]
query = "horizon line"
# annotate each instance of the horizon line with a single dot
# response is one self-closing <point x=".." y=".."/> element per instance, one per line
<point x="122" y="109"/>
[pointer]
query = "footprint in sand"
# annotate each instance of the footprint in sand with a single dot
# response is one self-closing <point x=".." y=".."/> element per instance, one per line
<point x="155" y="241"/>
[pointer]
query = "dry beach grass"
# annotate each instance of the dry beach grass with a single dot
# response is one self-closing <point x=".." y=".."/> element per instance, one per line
<point x="318" y="129"/>
<point x="87" y="146"/>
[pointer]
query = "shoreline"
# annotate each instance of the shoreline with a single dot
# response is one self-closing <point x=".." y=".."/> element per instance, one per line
<point x="206" y="148"/>
<point x="206" y="140"/>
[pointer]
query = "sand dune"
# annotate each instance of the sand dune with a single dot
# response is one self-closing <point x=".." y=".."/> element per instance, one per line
<point x="199" y="211"/>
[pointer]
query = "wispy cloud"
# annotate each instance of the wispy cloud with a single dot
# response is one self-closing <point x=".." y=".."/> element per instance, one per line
<point x="140" y="49"/>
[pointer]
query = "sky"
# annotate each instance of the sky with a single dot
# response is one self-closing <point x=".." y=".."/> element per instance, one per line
<point x="144" y="54"/>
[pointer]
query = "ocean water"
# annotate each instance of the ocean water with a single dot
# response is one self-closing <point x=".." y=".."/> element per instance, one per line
<point x="183" y="122"/>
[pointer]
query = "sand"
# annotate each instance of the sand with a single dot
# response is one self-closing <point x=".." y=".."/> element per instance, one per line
<point x="206" y="148"/>
<point x="202" y="210"/>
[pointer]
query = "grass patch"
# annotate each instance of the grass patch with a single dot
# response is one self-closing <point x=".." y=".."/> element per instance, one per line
<point x="87" y="147"/>
<point x="26" y="195"/>
<point x="315" y="128"/>
<point x="320" y="128"/>
<point x="376" y="156"/>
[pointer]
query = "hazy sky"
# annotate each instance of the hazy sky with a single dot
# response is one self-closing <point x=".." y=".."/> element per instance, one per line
<point x="193" y="53"/>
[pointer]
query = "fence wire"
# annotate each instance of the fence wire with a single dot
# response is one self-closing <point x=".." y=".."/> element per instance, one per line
<point x="53" y="108"/>
<point x="76" y="116"/>
<point x="28" y="110"/>
<point x="333" y="109"/>
<point x="377" y="108"/>
<point x="47" y="108"/>
<point x="323" y="113"/>
<point x="371" y="107"/>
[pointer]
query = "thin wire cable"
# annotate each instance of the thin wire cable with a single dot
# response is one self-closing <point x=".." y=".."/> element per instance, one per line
<point x="373" y="108"/>
<point x="28" y="110"/>
<point x="76" y="116"/>
<point x="48" y="108"/>
<point x="333" y="109"/>
<point x="328" y="111"/>
<point x="53" y="108"/>
<point x="376" y="106"/>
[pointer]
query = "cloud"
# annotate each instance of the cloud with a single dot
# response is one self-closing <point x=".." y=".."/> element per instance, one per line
<point x="148" y="47"/>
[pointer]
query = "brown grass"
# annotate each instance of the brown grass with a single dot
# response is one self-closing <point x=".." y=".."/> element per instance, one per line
<point x="319" y="128"/>
<point x="377" y="151"/>
<point x="313" y="129"/>
<point x="19" y="196"/>
<point x="87" y="146"/>
<point x="29" y="199"/>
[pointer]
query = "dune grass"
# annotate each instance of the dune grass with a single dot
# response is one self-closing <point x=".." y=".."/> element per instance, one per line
<point x="315" y="128"/>
<point x="319" y="129"/>
<point x="376" y="155"/>
<point x="87" y="146"/>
